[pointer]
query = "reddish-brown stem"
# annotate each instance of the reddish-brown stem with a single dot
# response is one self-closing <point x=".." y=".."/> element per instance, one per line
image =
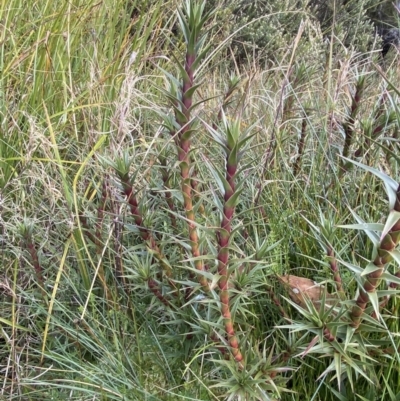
<point x="334" y="267"/>
<point x="30" y="246"/>
<point x="276" y="301"/>
<point x="146" y="235"/>
<point x="183" y="144"/>
<point x="224" y="235"/>
<point x="328" y="335"/>
<point x="384" y="256"/>
<point x="154" y="288"/>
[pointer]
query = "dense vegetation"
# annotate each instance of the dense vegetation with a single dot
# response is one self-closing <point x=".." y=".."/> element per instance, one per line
<point x="197" y="207"/>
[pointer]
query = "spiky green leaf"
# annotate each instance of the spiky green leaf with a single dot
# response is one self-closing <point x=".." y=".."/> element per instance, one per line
<point x="234" y="199"/>
<point x="392" y="219"/>
<point x="370" y="268"/>
<point x="354" y="268"/>
<point x="395" y="254"/>
<point x="390" y="184"/>
<point x="373" y="297"/>
<point x="183" y="73"/>
<point x="223" y="184"/>
<point x="390" y="278"/>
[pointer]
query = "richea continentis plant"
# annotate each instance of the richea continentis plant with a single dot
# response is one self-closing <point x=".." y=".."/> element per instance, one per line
<point x="198" y="261"/>
<point x="208" y="256"/>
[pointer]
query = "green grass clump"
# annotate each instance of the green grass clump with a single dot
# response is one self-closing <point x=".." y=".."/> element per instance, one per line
<point x="157" y="208"/>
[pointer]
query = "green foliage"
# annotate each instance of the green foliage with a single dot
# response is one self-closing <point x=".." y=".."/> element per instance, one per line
<point x="152" y="202"/>
<point x="348" y="22"/>
<point x="267" y="29"/>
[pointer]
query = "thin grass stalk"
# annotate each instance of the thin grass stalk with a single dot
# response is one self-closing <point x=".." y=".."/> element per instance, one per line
<point x="393" y="145"/>
<point x="270" y="151"/>
<point x="295" y="80"/>
<point x="86" y="230"/>
<point x="96" y="238"/>
<point x="384" y="256"/>
<point x="269" y="154"/>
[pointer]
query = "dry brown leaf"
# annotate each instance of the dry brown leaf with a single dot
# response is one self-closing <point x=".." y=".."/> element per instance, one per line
<point x="301" y="287"/>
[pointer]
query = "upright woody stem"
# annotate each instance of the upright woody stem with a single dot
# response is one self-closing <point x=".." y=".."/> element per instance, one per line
<point x="377" y="266"/>
<point x="224" y="235"/>
<point x="181" y="94"/>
